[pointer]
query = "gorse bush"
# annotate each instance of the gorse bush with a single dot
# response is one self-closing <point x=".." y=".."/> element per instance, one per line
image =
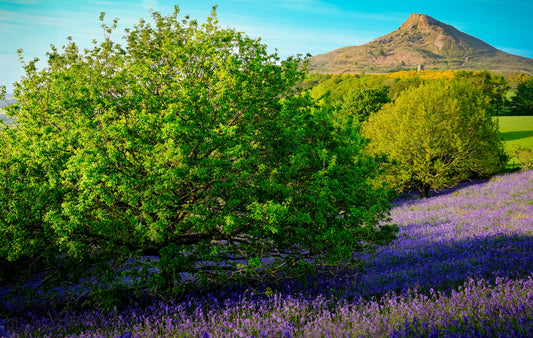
<point x="189" y="150"/>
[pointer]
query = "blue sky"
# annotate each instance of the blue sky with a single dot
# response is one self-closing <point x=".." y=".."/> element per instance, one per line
<point x="290" y="26"/>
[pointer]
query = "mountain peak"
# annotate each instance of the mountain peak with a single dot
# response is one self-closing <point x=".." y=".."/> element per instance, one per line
<point x="420" y="40"/>
<point x="420" y="21"/>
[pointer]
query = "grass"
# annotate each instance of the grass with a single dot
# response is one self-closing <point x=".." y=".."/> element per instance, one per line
<point x="516" y="131"/>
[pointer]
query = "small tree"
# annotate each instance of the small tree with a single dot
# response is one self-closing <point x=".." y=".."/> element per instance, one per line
<point x="436" y="135"/>
<point x="524" y="155"/>
<point x="189" y="147"/>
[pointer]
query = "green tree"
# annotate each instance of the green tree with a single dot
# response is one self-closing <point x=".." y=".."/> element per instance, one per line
<point x="190" y="144"/>
<point x="522" y="102"/>
<point x="435" y="136"/>
<point x="494" y="86"/>
<point x="362" y="102"/>
<point x="524" y="155"/>
<point x="403" y="84"/>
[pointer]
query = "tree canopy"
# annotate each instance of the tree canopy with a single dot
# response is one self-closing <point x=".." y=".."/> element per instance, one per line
<point x="189" y="147"/>
<point x="522" y="102"/>
<point x="436" y="135"/>
<point x="492" y="85"/>
<point x="362" y="102"/>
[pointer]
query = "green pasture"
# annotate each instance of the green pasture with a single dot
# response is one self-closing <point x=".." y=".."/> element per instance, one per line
<point x="516" y="130"/>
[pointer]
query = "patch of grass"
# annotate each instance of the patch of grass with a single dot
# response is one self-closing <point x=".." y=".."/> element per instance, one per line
<point x="516" y="131"/>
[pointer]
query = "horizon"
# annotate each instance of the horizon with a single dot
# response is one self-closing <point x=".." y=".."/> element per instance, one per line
<point x="289" y="27"/>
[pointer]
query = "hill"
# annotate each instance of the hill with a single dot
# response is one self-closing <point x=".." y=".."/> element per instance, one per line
<point x="420" y="41"/>
<point x="9" y="100"/>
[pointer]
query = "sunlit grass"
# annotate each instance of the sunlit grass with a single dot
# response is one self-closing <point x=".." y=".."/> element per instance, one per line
<point x="516" y="131"/>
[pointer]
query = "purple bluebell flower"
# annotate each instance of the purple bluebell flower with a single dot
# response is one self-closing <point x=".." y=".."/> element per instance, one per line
<point x="3" y="333"/>
<point x="461" y="266"/>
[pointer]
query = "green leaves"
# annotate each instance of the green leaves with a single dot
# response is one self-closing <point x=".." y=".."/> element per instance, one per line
<point x="362" y="102"/>
<point x="522" y="102"/>
<point x="190" y="143"/>
<point x="436" y="135"/>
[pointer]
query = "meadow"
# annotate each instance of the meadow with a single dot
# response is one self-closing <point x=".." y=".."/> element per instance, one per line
<point x="461" y="266"/>
<point x="516" y="130"/>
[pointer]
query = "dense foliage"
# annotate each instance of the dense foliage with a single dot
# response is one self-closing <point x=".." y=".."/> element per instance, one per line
<point x="187" y="151"/>
<point x="524" y="156"/>
<point x="522" y="102"/>
<point x="461" y="267"/>
<point x="338" y="87"/>
<point x="494" y="86"/>
<point x="436" y="135"/>
<point x="361" y="103"/>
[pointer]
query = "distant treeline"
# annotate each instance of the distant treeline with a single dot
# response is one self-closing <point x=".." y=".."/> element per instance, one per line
<point x="511" y="94"/>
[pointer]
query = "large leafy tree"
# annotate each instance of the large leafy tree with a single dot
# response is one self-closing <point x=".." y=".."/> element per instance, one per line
<point x="190" y="145"/>
<point x="435" y="136"/>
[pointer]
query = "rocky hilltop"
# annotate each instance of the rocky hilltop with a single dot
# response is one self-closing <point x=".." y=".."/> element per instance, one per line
<point x="424" y="42"/>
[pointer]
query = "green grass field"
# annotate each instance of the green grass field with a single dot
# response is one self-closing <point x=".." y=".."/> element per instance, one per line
<point x="516" y="131"/>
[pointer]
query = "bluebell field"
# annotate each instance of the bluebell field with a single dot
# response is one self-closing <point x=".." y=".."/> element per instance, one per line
<point x="462" y="266"/>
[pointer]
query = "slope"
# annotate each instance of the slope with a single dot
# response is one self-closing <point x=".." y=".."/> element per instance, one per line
<point x="424" y="42"/>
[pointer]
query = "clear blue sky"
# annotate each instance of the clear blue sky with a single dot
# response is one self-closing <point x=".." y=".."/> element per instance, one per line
<point x="290" y="26"/>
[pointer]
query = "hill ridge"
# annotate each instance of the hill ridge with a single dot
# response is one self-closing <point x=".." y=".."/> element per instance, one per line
<point x="420" y="40"/>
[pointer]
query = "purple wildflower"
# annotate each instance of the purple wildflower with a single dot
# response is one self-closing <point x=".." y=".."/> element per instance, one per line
<point x="462" y="266"/>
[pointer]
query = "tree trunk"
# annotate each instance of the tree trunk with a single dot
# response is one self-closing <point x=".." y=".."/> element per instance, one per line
<point x="424" y="191"/>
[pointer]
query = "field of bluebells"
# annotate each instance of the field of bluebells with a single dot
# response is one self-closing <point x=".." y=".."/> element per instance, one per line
<point x="462" y="266"/>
